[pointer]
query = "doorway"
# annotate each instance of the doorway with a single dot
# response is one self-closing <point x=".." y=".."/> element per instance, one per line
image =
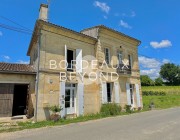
<point x="20" y="99"/>
<point x="70" y="98"/>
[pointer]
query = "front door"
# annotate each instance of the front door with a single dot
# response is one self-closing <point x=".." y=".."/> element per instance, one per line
<point x="70" y="99"/>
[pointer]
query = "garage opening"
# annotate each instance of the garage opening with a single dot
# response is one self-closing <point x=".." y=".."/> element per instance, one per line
<point x="20" y="99"/>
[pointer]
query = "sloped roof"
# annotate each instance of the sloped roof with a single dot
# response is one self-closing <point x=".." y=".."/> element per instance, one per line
<point x="113" y="30"/>
<point x="37" y="25"/>
<point x="16" y="68"/>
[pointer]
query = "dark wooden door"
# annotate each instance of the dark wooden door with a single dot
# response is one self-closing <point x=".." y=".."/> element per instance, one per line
<point x="6" y="99"/>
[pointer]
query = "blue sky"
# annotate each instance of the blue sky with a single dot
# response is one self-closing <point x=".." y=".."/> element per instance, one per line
<point x="155" y="22"/>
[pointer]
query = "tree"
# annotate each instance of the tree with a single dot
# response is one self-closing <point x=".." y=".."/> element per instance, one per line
<point x="146" y="81"/>
<point x="158" y="81"/>
<point x="171" y="73"/>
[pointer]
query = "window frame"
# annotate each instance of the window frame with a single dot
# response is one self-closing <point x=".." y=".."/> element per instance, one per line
<point x="111" y="92"/>
<point x="109" y="60"/>
<point x="120" y="52"/>
<point x="131" y="88"/>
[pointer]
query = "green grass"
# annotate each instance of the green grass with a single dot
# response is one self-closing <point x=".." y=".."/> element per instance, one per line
<point x="30" y="125"/>
<point x="168" y="89"/>
<point x="172" y="99"/>
<point x="162" y="102"/>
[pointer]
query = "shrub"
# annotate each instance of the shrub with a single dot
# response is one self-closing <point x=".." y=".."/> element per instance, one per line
<point x="153" y="93"/>
<point x="128" y="109"/>
<point x="110" y="109"/>
<point x="55" y="109"/>
<point x="55" y="115"/>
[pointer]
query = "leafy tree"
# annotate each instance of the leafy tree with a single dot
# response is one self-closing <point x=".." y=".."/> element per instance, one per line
<point x="171" y="73"/>
<point x="146" y="81"/>
<point x="158" y="81"/>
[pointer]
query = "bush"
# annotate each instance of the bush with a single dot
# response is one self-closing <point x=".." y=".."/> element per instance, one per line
<point x="153" y="93"/>
<point x="110" y="109"/>
<point x="55" y="109"/>
<point x="128" y="109"/>
<point x="55" y="112"/>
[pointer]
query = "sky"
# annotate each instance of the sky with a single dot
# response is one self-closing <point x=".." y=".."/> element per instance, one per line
<point x="155" y="22"/>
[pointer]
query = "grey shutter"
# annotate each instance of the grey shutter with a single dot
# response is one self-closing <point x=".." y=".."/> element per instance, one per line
<point x="62" y="98"/>
<point x="79" y="60"/>
<point x="138" y="96"/>
<point x="104" y="92"/>
<point x="128" y="93"/>
<point x="116" y="89"/>
<point x="65" y="55"/>
<point x="80" y="92"/>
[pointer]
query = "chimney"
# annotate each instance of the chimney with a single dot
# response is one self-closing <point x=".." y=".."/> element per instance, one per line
<point x="43" y="12"/>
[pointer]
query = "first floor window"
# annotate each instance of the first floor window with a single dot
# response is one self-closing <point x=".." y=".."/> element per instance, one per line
<point x="120" y="57"/>
<point x="70" y="58"/>
<point x="130" y="60"/>
<point x="107" y="55"/>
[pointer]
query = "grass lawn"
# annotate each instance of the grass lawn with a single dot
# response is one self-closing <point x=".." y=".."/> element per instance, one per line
<point x="172" y="99"/>
<point x="168" y="89"/>
<point x="30" y="125"/>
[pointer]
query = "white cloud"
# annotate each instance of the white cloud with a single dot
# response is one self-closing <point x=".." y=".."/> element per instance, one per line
<point x="105" y="17"/>
<point x="103" y="6"/>
<point x="151" y="66"/>
<point x="166" y="61"/>
<point x="162" y="44"/>
<point x="5" y="58"/>
<point x="149" y="62"/>
<point x="153" y="73"/>
<point x="1" y="34"/>
<point x="133" y="14"/>
<point x="22" y="62"/>
<point x="125" y="24"/>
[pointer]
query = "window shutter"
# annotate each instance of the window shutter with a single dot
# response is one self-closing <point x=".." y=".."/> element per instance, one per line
<point x="104" y="92"/>
<point x="128" y="93"/>
<point x="116" y="88"/>
<point x="62" y="98"/>
<point x="79" y="60"/>
<point x="80" y="92"/>
<point x="138" y="96"/>
<point x="65" y="55"/>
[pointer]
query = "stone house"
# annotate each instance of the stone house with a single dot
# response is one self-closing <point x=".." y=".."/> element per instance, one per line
<point x="79" y="71"/>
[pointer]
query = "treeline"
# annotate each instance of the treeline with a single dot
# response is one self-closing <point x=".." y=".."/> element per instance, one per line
<point x="169" y="75"/>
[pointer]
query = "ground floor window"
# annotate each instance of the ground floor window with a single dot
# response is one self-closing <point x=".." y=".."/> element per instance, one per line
<point x="131" y="94"/>
<point x="109" y="92"/>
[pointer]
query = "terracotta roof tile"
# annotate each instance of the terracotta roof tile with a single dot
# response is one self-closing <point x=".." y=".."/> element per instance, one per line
<point x="19" y="68"/>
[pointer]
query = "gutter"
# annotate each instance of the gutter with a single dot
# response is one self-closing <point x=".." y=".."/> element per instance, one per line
<point x="37" y="76"/>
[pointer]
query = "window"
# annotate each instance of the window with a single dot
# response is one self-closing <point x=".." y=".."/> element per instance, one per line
<point x="70" y="58"/>
<point x="131" y="94"/>
<point x="109" y="92"/>
<point x="107" y="55"/>
<point x="120" y="57"/>
<point x="130" y="60"/>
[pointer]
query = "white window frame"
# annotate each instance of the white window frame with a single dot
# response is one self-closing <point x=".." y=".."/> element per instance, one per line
<point x="120" y="54"/>
<point x="131" y="97"/>
<point x="71" y="109"/>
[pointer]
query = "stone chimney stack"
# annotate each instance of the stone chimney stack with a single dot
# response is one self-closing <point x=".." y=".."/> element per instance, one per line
<point x="43" y="12"/>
